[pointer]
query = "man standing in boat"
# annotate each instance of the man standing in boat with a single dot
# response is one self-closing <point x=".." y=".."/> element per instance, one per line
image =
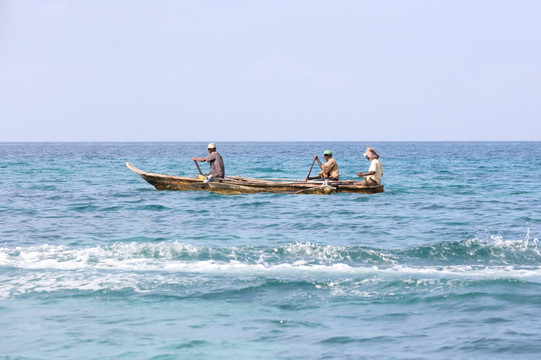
<point x="373" y="176"/>
<point x="329" y="169"/>
<point x="217" y="168"/>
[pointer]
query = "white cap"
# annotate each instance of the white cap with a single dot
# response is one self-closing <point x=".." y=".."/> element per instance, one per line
<point x="369" y="150"/>
<point x="211" y="146"/>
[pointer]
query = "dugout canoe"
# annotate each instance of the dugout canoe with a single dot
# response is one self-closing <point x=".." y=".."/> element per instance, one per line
<point x="243" y="185"/>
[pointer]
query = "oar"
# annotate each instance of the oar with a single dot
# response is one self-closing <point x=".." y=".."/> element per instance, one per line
<point x="198" y="168"/>
<point x="313" y="162"/>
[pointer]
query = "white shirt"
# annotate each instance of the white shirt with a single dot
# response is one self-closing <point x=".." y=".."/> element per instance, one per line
<point x="375" y="165"/>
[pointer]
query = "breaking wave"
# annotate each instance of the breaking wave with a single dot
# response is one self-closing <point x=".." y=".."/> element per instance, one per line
<point x="128" y="265"/>
<point x="137" y="255"/>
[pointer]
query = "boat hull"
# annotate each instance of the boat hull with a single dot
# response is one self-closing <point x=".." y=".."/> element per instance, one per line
<point x="240" y="185"/>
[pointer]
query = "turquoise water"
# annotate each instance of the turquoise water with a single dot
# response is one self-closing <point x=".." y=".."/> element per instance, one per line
<point x="96" y="264"/>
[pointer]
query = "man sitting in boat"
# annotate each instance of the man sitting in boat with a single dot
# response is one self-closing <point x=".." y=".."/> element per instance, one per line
<point x="373" y="176"/>
<point x="217" y="168"/>
<point x="329" y="169"/>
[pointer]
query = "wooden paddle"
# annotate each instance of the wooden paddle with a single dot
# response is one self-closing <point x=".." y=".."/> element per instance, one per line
<point x="311" y="167"/>
<point x="198" y="168"/>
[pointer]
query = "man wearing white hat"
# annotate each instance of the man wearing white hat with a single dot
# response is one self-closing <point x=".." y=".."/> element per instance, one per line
<point x="373" y="176"/>
<point x="217" y="168"/>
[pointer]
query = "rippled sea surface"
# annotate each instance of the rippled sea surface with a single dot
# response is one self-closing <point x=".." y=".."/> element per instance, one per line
<point x="97" y="264"/>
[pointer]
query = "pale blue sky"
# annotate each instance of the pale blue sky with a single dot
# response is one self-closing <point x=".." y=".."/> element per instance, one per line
<point x="112" y="70"/>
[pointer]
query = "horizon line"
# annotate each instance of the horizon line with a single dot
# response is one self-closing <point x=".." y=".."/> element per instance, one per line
<point x="245" y="141"/>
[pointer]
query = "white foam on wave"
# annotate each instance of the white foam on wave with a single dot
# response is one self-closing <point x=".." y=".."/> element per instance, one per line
<point x="165" y="257"/>
<point x="335" y="252"/>
<point x="43" y="282"/>
<point x="148" y="256"/>
<point x="498" y="241"/>
<point x="55" y="268"/>
<point x="199" y="273"/>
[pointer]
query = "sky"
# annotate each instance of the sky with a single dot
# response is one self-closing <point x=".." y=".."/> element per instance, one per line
<point x="275" y="70"/>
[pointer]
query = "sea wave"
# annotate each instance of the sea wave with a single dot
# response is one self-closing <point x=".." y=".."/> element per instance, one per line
<point x="492" y="252"/>
<point x="147" y="266"/>
<point x="211" y="279"/>
<point x="470" y="254"/>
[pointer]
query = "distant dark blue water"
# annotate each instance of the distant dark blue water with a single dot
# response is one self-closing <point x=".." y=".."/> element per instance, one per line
<point x="96" y="263"/>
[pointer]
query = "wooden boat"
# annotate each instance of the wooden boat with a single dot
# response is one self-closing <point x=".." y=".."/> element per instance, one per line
<point x="243" y="185"/>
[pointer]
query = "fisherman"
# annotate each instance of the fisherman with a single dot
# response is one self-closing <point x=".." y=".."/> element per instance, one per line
<point x="217" y="169"/>
<point x="373" y="176"/>
<point x="329" y="169"/>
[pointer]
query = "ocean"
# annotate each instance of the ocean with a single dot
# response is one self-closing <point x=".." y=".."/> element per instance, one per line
<point x="97" y="264"/>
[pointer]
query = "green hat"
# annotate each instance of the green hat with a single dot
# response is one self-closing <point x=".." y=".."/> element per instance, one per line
<point x="327" y="152"/>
